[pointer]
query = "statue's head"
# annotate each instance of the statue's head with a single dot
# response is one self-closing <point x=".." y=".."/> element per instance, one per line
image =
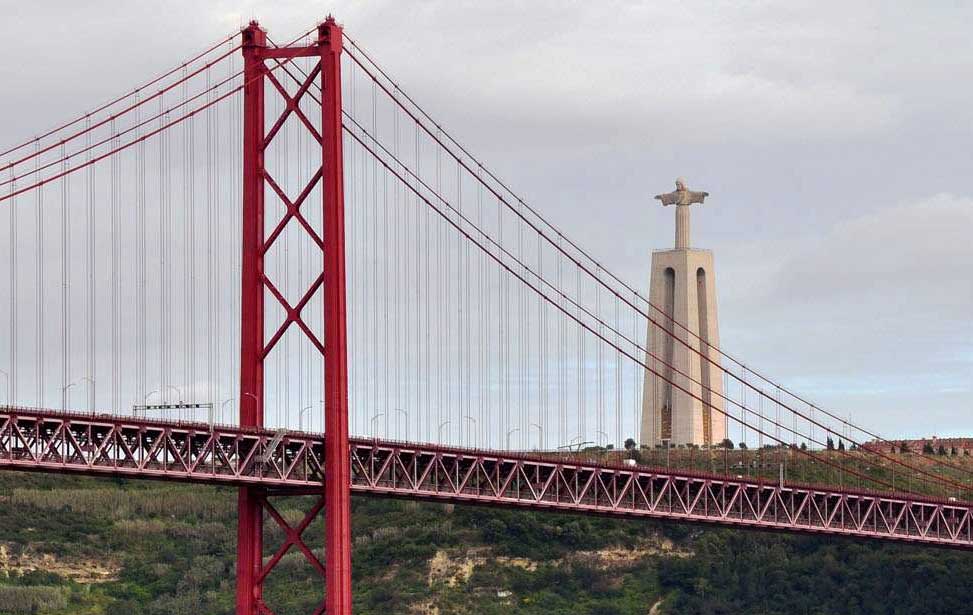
<point x="681" y="183"/>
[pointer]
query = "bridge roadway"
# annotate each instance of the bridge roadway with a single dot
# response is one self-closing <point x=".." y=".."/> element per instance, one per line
<point x="292" y="462"/>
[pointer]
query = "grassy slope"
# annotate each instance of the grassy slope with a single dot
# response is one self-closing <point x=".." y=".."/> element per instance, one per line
<point x="172" y="549"/>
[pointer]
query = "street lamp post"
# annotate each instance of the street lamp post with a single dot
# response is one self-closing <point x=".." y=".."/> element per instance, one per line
<point x="179" y="397"/>
<point x="223" y="406"/>
<point x="440" y="432"/>
<point x="510" y="433"/>
<point x="177" y="390"/>
<point x="300" y="415"/>
<point x="665" y="442"/>
<point x="64" y="395"/>
<point x="145" y="402"/>
<point x="540" y="435"/>
<point x="380" y="414"/>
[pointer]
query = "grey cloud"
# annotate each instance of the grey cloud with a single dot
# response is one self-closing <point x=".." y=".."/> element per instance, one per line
<point x="824" y="131"/>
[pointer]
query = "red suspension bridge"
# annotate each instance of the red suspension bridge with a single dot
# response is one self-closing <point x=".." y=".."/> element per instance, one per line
<point x="270" y="268"/>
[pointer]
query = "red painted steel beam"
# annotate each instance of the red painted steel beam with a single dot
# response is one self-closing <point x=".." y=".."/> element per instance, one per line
<point x="250" y="510"/>
<point x="51" y="441"/>
<point x="337" y="495"/>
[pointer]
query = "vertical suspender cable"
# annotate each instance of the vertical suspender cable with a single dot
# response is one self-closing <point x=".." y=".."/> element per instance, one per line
<point x="113" y="228"/>
<point x="440" y="274"/>
<point x="14" y="329"/>
<point x="222" y="208"/>
<point x="284" y="394"/>
<point x="91" y="285"/>
<point x="619" y="433"/>
<point x="302" y="399"/>
<point x="542" y="363"/>
<point x="601" y="365"/>
<point x="354" y="312"/>
<point x="39" y="344"/>
<point x="141" y="248"/>
<point x="164" y="300"/>
<point x="483" y="301"/>
<point x="189" y="174"/>
<point x="65" y="287"/>
<point x="562" y="352"/>
<point x="397" y="325"/>
<point x="390" y="352"/>
<point x="637" y="375"/>
<point x="211" y="239"/>
<point x="371" y="326"/>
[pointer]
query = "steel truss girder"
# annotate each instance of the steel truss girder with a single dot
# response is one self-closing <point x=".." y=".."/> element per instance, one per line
<point x="98" y="445"/>
<point x="44" y="440"/>
<point x="514" y="480"/>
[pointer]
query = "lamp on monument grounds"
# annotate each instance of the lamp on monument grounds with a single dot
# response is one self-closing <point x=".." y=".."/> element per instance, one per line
<point x="441" y="425"/>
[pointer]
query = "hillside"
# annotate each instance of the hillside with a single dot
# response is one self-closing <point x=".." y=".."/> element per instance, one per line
<point x="84" y="546"/>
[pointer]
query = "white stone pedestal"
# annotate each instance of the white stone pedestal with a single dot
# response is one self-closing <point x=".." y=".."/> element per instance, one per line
<point x="683" y="284"/>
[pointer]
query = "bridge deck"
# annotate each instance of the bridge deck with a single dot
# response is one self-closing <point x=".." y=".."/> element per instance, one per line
<point x="103" y="445"/>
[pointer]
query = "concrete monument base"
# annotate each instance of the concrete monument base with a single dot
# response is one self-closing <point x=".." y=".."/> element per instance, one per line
<point x="683" y="286"/>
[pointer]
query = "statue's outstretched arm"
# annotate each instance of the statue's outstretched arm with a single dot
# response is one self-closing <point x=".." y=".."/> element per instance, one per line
<point x="697" y="197"/>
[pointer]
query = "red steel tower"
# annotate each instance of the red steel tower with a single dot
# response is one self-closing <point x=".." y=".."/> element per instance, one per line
<point x="259" y="62"/>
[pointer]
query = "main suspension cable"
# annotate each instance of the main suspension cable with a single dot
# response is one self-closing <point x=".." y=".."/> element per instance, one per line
<point x="121" y="98"/>
<point x="635" y="293"/>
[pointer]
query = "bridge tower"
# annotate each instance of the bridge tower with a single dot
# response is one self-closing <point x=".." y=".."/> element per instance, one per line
<point x="683" y="287"/>
<point x="257" y="286"/>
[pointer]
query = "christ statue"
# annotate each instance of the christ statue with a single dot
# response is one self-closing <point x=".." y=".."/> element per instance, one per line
<point x="682" y="198"/>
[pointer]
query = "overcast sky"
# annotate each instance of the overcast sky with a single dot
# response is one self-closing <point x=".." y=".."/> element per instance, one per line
<point x="834" y="138"/>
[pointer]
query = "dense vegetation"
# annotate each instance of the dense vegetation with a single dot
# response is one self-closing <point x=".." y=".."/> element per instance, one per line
<point x="168" y="549"/>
